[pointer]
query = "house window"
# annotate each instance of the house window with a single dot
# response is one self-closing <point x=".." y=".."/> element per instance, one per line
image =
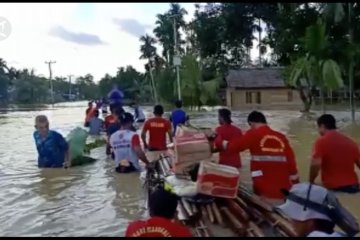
<point x="248" y="98"/>
<point x="258" y="97"/>
<point x="290" y="96"/>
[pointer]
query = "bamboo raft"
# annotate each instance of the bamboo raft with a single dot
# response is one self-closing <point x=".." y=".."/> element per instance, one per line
<point x="246" y="216"/>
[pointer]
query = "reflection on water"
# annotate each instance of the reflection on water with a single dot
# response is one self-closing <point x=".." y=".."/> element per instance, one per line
<point x="93" y="200"/>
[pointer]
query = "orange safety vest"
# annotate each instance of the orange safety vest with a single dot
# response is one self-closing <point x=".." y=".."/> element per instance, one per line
<point x="273" y="165"/>
<point x="90" y="115"/>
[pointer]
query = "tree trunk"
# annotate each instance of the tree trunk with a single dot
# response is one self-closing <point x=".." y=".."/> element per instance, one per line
<point x="306" y="98"/>
<point x="153" y="82"/>
<point x="322" y="96"/>
<point x="260" y="62"/>
<point x="351" y="67"/>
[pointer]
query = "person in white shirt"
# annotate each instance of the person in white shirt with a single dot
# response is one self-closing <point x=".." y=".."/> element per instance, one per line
<point x="139" y="114"/>
<point x="314" y="211"/>
<point x="126" y="146"/>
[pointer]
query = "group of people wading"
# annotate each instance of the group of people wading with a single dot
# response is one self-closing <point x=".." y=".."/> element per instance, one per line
<point x="273" y="165"/>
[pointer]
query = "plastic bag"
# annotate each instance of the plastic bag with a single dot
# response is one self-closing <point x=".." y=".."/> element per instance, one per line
<point x="77" y="141"/>
<point x="181" y="187"/>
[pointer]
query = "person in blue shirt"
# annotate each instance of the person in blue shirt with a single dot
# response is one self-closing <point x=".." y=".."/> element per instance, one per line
<point x="178" y="116"/>
<point x="95" y="124"/>
<point x="115" y="95"/>
<point x="53" y="150"/>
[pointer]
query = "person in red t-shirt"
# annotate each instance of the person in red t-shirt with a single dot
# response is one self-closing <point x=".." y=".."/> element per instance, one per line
<point x="335" y="155"/>
<point x="161" y="223"/>
<point x="228" y="132"/>
<point x="157" y="127"/>
<point x="273" y="166"/>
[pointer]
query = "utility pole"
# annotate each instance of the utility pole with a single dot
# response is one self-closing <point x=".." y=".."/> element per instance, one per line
<point x="176" y="60"/>
<point x="70" y="86"/>
<point x="50" y="78"/>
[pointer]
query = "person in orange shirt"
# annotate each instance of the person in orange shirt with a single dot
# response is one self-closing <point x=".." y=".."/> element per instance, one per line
<point x="88" y="113"/>
<point x="227" y="131"/>
<point x="161" y="223"/>
<point x="335" y="155"/>
<point x="273" y="166"/>
<point x="158" y="127"/>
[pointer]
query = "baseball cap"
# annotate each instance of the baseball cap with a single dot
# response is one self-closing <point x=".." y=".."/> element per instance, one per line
<point x="300" y="212"/>
<point x="306" y="201"/>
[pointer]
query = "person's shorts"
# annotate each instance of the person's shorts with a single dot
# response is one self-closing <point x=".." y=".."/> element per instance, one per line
<point x="155" y="149"/>
<point x="124" y="169"/>
<point x="140" y="120"/>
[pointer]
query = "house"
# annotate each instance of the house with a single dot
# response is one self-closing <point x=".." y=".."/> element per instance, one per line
<point x="259" y="87"/>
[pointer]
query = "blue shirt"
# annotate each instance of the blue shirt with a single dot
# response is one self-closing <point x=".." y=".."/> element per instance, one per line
<point x="177" y="117"/>
<point x="51" y="150"/>
<point x="115" y="96"/>
<point x="95" y="125"/>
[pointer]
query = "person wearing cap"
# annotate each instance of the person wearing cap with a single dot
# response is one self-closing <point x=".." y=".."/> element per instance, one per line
<point x="158" y="127"/>
<point x="308" y="208"/>
<point x="227" y="131"/>
<point x="335" y="156"/>
<point x="273" y="166"/>
<point x="162" y="206"/>
<point x="126" y="146"/>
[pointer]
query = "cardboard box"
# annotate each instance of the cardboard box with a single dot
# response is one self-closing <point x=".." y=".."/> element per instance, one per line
<point x="218" y="180"/>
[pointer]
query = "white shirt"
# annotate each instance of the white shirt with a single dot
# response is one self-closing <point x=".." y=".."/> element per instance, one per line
<point x="322" y="234"/>
<point x="120" y="141"/>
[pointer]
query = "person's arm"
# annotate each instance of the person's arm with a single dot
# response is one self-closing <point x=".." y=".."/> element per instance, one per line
<point x="291" y="159"/>
<point x="236" y="145"/>
<point x="135" y="143"/>
<point x="64" y="146"/>
<point x="143" y="134"/>
<point x="316" y="160"/>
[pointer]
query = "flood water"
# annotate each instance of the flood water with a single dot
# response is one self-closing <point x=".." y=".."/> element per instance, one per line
<point x="93" y="200"/>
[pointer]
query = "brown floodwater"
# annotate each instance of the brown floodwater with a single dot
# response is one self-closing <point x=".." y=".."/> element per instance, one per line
<point x="93" y="200"/>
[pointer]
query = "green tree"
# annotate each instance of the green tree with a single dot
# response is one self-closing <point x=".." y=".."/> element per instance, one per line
<point x="148" y="51"/>
<point x="196" y="91"/>
<point x="316" y="68"/>
<point x="164" y="30"/>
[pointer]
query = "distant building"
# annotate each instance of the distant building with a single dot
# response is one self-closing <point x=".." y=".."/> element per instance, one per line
<point x="259" y="87"/>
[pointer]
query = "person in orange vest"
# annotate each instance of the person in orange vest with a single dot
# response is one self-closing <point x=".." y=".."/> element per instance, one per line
<point x="273" y="166"/>
<point x="335" y="155"/>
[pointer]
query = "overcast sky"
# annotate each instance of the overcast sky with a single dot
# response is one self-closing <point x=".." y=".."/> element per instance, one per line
<point x="82" y="38"/>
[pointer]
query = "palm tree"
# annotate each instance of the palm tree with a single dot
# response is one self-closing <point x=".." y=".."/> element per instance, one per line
<point x="315" y="68"/>
<point x="148" y="51"/>
<point x="336" y="12"/>
<point x="164" y="30"/>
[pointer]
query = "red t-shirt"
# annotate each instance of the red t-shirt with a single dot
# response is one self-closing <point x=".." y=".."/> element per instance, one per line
<point x="158" y="127"/>
<point x="228" y="132"/>
<point x="108" y="120"/>
<point x="338" y="155"/>
<point x="157" y="227"/>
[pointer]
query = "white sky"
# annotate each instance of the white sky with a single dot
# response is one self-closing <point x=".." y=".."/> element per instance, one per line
<point x="82" y="38"/>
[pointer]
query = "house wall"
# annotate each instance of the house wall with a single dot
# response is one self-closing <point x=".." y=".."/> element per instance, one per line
<point x="264" y="98"/>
